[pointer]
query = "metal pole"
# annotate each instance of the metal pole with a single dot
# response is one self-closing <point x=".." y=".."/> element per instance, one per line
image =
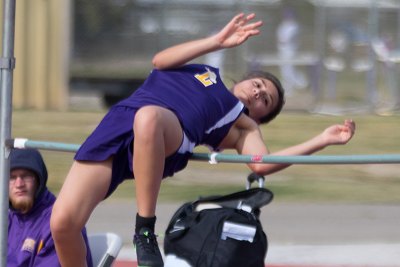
<point x="7" y="63"/>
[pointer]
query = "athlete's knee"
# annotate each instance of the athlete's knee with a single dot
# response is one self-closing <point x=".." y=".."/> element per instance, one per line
<point x="62" y="223"/>
<point x="148" y="121"/>
<point x="149" y="115"/>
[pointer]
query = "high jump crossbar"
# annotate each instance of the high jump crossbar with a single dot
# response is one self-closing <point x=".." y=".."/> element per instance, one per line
<point x="214" y="158"/>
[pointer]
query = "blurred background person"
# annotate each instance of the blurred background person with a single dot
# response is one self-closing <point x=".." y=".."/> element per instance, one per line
<point x="287" y="36"/>
<point x="30" y="203"/>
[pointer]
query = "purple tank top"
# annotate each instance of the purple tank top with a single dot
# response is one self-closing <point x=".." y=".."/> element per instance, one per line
<point x="204" y="106"/>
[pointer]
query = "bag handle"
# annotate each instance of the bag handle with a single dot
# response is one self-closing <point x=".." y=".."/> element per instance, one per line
<point x="255" y="198"/>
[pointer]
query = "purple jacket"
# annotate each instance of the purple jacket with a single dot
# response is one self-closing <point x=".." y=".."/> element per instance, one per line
<point x="29" y="237"/>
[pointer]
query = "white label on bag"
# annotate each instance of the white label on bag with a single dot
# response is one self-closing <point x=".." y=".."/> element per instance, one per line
<point x="242" y="232"/>
<point x="207" y="206"/>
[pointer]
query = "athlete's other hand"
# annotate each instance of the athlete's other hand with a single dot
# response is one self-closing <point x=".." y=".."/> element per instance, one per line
<point x="339" y="134"/>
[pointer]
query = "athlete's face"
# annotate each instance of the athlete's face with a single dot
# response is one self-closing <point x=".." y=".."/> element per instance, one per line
<point x="259" y="95"/>
<point x="22" y="189"/>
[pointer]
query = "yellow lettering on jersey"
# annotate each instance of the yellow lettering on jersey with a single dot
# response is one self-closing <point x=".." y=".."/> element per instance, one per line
<point x="204" y="78"/>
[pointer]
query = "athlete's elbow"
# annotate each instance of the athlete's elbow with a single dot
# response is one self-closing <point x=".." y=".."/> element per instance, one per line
<point x="258" y="169"/>
<point x="162" y="61"/>
<point x="264" y="169"/>
<point x="157" y="63"/>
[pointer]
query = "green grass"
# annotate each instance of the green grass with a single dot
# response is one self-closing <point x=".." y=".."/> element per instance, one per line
<point x="320" y="183"/>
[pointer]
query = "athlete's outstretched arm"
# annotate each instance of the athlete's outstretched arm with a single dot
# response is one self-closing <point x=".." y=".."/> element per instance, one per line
<point x="236" y="32"/>
<point x="250" y="142"/>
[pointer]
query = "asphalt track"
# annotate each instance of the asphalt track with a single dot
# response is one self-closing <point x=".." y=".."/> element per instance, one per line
<point x="300" y="235"/>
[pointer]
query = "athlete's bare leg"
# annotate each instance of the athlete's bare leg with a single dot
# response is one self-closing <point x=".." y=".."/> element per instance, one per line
<point x="85" y="186"/>
<point x="158" y="134"/>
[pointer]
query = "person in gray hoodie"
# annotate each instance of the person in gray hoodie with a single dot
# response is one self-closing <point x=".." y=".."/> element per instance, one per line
<point x="30" y="204"/>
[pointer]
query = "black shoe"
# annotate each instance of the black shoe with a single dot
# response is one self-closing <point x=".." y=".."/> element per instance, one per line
<point x="147" y="251"/>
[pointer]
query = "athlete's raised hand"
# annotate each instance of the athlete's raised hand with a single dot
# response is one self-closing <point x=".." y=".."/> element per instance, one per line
<point x="238" y="30"/>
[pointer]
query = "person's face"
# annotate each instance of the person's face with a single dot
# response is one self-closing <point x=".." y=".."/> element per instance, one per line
<point x="22" y="189"/>
<point x="259" y="95"/>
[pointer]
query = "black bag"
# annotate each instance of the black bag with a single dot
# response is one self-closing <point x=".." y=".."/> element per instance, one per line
<point x="220" y="231"/>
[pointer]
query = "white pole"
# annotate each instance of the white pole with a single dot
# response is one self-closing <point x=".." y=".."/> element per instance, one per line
<point x="7" y="63"/>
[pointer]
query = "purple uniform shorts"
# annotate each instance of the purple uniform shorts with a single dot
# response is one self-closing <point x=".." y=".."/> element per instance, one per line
<point x="114" y="137"/>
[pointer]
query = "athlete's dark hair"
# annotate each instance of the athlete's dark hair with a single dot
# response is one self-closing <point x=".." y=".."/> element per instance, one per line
<point x="281" y="93"/>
